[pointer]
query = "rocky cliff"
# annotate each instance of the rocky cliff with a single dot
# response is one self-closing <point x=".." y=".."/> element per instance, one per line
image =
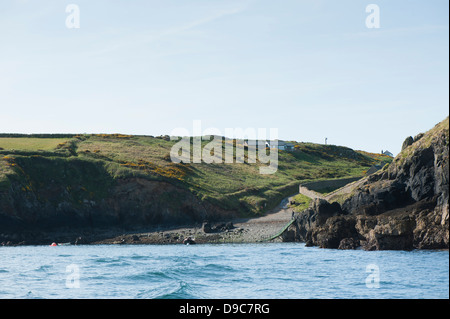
<point x="403" y="206"/>
<point x="55" y="212"/>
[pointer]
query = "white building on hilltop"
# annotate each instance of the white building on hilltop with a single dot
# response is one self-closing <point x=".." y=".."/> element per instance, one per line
<point x="386" y="152"/>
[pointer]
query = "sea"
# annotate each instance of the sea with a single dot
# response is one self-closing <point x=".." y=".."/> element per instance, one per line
<point x="220" y="271"/>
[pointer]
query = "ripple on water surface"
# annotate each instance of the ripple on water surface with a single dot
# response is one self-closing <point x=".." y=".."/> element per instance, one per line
<point x="278" y="270"/>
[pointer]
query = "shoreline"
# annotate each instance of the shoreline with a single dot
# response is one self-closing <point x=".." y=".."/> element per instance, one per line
<point x="243" y="230"/>
<point x="246" y="232"/>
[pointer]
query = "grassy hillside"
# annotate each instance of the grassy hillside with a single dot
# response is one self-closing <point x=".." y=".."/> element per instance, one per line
<point x="90" y="164"/>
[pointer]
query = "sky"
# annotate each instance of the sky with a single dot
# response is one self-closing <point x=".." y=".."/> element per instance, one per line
<point x="311" y="69"/>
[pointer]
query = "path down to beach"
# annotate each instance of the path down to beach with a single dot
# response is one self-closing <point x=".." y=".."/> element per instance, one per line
<point x="263" y="227"/>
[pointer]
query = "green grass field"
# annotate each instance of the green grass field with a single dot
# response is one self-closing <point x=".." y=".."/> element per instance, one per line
<point x="301" y="202"/>
<point x="30" y="143"/>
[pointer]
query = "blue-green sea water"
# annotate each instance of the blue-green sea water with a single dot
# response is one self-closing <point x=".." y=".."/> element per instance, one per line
<point x="255" y="271"/>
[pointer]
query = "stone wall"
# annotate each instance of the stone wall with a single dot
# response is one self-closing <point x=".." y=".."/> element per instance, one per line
<point x="332" y="183"/>
<point x="309" y="189"/>
<point x="307" y="192"/>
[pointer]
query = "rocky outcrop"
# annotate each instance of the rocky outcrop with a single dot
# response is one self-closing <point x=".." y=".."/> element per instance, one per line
<point x="407" y="142"/>
<point x="403" y="206"/>
<point x="325" y="225"/>
<point x="382" y="233"/>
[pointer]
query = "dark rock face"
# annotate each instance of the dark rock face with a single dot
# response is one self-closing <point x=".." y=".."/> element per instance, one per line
<point x="402" y="207"/>
<point x="131" y="203"/>
<point x="432" y="229"/>
<point x="319" y="211"/>
<point x="385" y="233"/>
<point x="407" y="142"/>
<point x="418" y="137"/>
<point x="349" y="243"/>
<point x="288" y="236"/>
<point x="330" y="234"/>
<point x="325" y="225"/>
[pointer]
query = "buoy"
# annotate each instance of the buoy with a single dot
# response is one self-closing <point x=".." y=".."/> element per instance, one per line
<point x="54" y="244"/>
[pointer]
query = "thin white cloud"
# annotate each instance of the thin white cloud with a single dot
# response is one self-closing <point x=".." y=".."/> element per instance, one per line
<point x="199" y="22"/>
<point x="149" y="37"/>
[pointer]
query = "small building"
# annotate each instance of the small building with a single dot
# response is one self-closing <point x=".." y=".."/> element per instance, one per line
<point x="282" y="145"/>
<point x="386" y="152"/>
<point x="289" y="147"/>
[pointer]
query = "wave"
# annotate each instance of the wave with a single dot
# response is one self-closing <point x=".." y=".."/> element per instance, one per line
<point x="201" y="271"/>
<point x="150" y="276"/>
<point x="138" y="257"/>
<point x="220" y="271"/>
<point x="106" y="260"/>
<point x="183" y="291"/>
<point x="111" y="262"/>
<point x="218" y="267"/>
<point x="44" y="268"/>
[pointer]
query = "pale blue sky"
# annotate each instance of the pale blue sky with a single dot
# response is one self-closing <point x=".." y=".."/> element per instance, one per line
<point x="310" y="68"/>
